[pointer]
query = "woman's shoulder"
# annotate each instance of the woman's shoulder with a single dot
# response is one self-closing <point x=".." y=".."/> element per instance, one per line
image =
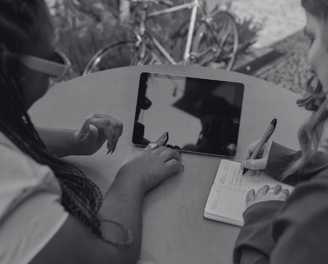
<point x="30" y="204"/>
<point x="14" y="162"/>
<point x="20" y="176"/>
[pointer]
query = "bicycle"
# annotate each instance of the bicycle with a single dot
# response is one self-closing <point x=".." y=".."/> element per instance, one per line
<point x="212" y="41"/>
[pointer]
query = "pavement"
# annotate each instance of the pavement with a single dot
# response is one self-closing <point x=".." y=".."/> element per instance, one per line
<point x="280" y="52"/>
<point x="280" y="18"/>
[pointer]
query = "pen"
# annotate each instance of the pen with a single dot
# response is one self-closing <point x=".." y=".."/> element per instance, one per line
<point x="264" y="139"/>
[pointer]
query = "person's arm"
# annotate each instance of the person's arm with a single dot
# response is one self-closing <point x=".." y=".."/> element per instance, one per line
<point x="96" y="129"/>
<point x="298" y="234"/>
<point x="300" y="229"/>
<point x="280" y="157"/>
<point x="255" y="243"/>
<point x="122" y="210"/>
<point x="75" y="244"/>
<point x="60" y="141"/>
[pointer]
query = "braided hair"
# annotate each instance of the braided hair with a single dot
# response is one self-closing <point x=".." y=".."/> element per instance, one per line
<point x="18" y="19"/>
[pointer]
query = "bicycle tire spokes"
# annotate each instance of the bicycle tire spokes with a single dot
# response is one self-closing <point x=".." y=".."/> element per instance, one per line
<point x="217" y="42"/>
<point x="120" y="54"/>
<point x="146" y="59"/>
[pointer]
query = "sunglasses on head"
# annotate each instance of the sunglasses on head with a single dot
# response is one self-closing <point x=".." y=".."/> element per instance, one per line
<point x="57" y="67"/>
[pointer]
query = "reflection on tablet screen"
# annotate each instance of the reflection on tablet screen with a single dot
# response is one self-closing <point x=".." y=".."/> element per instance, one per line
<point x="201" y="115"/>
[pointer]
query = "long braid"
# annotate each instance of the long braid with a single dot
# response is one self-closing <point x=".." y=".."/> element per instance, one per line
<point x="80" y="196"/>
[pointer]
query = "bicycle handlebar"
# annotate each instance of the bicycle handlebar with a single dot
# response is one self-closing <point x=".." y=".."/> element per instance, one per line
<point x="164" y="2"/>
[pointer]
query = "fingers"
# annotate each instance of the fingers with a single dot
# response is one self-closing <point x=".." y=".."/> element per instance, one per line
<point x="110" y="128"/>
<point x="112" y="133"/>
<point x="266" y="193"/>
<point x="250" y="196"/>
<point x="276" y="189"/>
<point x="263" y="190"/>
<point x="254" y="172"/>
<point x="173" y="147"/>
<point x="167" y="154"/>
<point x="174" y="166"/>
<point x="255" y="164"/>
<point x="248" y="152"/>
<point x="260" y="162"/>
<point x="286" y="191"/>
<point x="88" y="133"/>
<point x="83" y="131"/>
<point x="158" y="143"/>
<point x="278" y="193"/>
<point x="246" y="156"/>
<point x="106" y="121"/>
<point x="163" y="139"/>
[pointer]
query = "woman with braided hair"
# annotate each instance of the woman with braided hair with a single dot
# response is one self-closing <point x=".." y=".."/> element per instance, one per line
<point x="50" y="212"/>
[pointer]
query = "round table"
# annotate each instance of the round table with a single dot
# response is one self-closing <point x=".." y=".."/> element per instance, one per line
<point x="174" y="229"/>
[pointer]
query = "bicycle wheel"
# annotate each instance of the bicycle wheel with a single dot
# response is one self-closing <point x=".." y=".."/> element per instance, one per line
<point x="120" y="54"/>
<point x="216" y="42"/>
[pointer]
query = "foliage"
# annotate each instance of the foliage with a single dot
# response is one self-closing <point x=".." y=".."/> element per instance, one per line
<point x="248" y="32"/>
<point x="85" y="26"/>
<point x="82" y="30"/>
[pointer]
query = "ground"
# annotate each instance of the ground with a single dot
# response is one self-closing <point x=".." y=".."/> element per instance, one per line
<point x="284" y="21"/>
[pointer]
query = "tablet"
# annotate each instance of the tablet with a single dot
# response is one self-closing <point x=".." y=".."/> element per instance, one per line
<point x="201" y="115"/>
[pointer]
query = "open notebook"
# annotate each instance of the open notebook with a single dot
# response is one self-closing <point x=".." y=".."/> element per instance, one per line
<point x="227" y="199"/>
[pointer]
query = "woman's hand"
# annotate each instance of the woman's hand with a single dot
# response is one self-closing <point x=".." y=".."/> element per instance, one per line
<point x="256" y="165"/>
<point x="266" y="194"/>
<point x="96" y="129"/>
<point x="153" y="164"/>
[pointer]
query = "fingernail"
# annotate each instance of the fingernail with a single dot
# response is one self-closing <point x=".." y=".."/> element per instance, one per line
<point x="113" y="144"/>
<point x="109" y="147"/>
<point x="166" y="137"/>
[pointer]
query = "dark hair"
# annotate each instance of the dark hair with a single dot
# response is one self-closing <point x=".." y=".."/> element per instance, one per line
<point x="18" y="21"/>
<point x="317" y="8"/>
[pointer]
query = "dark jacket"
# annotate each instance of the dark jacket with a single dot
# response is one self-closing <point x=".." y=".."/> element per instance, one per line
<point x="291" y="232"/>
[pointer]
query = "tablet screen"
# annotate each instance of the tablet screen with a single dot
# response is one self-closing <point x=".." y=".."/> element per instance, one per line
<point x="201" y="115"/>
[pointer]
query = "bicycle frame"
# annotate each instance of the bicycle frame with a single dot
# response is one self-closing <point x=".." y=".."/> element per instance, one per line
<point x="202" y="49"/>
<point x="194" y="6"/>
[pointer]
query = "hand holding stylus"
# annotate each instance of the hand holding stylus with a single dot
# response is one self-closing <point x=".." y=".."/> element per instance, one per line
<point x="259" y="149"/>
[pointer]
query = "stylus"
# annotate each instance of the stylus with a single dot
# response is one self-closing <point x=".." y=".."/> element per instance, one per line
<point x="264" y="139"/>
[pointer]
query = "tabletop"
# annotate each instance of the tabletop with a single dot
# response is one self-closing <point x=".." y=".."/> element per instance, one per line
<point x="174" y="229"/>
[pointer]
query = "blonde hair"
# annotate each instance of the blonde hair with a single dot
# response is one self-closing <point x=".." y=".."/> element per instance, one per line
<point x="310" y="133"/>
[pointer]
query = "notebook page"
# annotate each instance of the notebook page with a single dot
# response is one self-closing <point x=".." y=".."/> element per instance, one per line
<point x="230" y="174"/>
<point x="226" y="203"/>
<point x="227" y="199"/>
